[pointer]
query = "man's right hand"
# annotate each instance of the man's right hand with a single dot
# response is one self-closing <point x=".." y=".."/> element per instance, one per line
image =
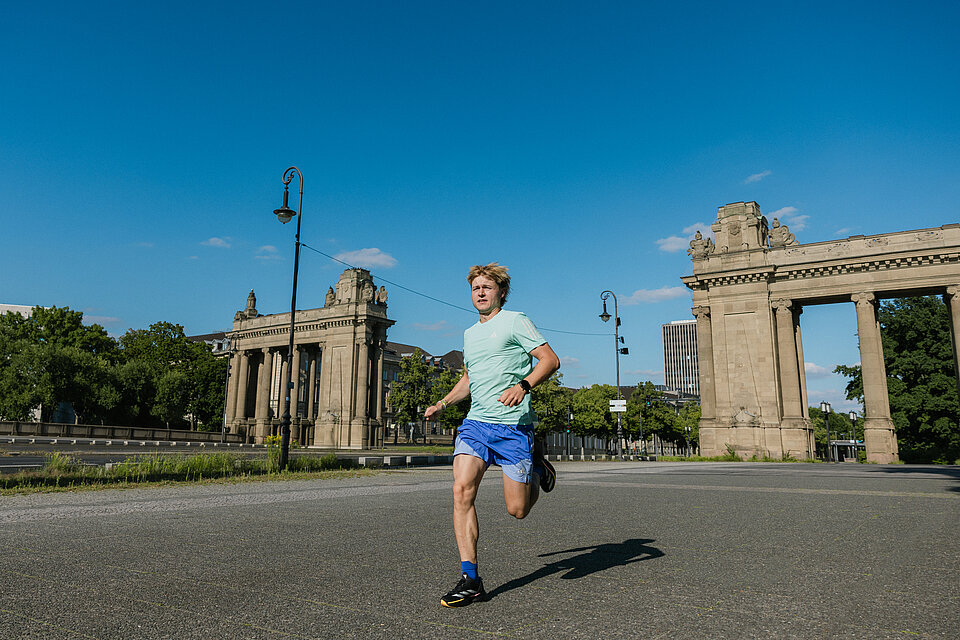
<point x="432" y="410"/>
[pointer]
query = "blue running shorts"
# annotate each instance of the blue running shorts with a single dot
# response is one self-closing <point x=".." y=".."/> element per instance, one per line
<point x="508" y="445"/>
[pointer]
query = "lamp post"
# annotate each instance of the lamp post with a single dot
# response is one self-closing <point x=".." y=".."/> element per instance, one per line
<point x="618" y="349"/>
<point x="285" y="214"/>
<point x="825" y="409"/>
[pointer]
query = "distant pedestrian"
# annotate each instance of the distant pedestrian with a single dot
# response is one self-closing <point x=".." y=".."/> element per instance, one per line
<point x="498" y="353"/>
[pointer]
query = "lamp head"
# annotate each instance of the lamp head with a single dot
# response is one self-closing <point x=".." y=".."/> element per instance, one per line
<point x="285" y="213"/>
<point x="604" y="316"/>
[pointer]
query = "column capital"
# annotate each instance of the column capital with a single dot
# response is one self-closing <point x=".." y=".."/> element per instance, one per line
<point x="782" y="304"/>
<point x="953" y="291"/>
<point x="265" y="350"/>
<point x="863" y="299"/>
<point x="701" y="312"/>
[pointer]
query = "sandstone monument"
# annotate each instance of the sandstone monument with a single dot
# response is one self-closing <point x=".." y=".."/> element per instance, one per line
<point x="750" y="285"/>
<point x="338" y="392"/>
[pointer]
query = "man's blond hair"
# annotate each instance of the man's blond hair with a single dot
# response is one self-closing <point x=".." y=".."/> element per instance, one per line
<point x="495" y="272"/>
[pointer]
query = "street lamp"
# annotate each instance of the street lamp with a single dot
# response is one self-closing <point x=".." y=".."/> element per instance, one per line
<point x="285" y="214"/>
<point x="825" y="409"/>
<point x="617" y="340"/>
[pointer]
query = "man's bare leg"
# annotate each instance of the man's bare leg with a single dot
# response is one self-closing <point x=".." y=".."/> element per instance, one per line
<point x="520" y="497"/>
<point x="467" y="473"/>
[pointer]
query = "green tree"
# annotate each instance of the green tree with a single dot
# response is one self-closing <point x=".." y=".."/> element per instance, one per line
<point x="451" y="417"/>
<point x="173" y="397"/>
<point x="52" y="358"/>
<point x="921" y="380"/>
<point x="551" y="402"/>
<point x="591" y="411"/>
<point x="185" y="378"/>
<point x="410" y="395"/>
<point x="64" y="327"/>
<point x="137" y="385"/>
<point x="689" y="418"/>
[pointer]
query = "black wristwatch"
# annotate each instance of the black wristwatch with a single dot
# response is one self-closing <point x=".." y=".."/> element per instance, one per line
<point x="524" y="385"/>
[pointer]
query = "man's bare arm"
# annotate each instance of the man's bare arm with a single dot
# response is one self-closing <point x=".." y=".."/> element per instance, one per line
<point x="460" y="391"/>
<point x="547" y="364"/>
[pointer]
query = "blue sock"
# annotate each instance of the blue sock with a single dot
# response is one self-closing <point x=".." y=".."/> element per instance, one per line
<point x="469" y="568"/>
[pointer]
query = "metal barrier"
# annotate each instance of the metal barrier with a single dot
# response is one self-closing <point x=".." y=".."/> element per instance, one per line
<point x="59" y="430"/>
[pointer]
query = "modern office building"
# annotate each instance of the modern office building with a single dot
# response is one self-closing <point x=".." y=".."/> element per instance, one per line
<point x="680" y="370"/>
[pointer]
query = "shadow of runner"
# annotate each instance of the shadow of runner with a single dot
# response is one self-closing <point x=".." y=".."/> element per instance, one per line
<point x="593" y="559"/>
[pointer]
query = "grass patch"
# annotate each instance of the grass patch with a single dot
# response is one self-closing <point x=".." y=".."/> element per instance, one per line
<point x="430" y="449"/>
<point x="61" y="472"/>
<point x="727" y="458"/>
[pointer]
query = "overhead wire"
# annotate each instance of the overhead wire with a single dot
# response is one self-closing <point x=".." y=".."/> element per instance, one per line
<point x="429" y="297"/>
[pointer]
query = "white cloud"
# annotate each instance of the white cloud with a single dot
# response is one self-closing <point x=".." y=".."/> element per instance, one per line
<point x="757" y="177"/>
<point x="267" y="252"/>
<point x="656" y="295"/>
<point x="790" y="217"/>
<point x="570" y="363"/>
<point x="836" y="397"/>
<point x="436" y="326"/>
<point x="643" y="373"/>
<point x="672" y="244"/>
<point x="816" y="371"/>
<point x="368" y="258"/>
<point x="797" y="223"/>
<point x="842" y="232"/>
<point x="223" y="243"/>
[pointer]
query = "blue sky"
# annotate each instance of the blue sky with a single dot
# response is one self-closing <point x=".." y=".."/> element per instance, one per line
<point x="142" y="148"/>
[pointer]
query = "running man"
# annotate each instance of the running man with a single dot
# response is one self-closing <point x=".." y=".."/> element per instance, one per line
<point x="498" y="353"/>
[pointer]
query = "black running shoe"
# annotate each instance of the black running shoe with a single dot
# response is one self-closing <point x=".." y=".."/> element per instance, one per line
<point x="467" y="590"/>
<point x="548" y="479"/>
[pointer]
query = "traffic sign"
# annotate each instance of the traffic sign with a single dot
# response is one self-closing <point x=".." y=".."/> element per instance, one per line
<point x="618" y="406"/>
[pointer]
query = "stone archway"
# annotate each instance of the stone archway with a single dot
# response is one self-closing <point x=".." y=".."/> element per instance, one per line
<point x="338" y="364"/>
<point x="749" y="289"/>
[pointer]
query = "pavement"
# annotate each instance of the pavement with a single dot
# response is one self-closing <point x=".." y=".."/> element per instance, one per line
<point x="618" y="550"/>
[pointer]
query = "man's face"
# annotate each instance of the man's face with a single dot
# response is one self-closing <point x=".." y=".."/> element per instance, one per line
<point x="486" y="295"/>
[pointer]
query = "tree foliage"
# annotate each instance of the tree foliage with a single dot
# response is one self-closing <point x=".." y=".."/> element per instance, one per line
<point x="552" y="404"/>
<point x="918" y="355"/>
<point x="452" y="417"/>
<point x="147" y="378"/>
<point x="591" y="411"/>
<point x="410" y="395"/>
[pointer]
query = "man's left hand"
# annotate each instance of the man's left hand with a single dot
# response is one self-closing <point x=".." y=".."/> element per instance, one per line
<point x="512" y="396"/>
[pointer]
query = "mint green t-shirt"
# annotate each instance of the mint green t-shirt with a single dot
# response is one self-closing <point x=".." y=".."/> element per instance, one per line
<point x="497" y="356"/>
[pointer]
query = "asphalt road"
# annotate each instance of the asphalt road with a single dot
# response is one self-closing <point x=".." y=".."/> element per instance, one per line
<point x="619" y="550"/>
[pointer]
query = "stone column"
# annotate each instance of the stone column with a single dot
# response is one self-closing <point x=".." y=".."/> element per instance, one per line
<point x="953" y="307"/>
<point x="264" y="379"/>
<point x="787" y="360"/>
<point x="295" y="396"/>
<point x="878" y="432"/>
<point x="804" y="402"/>
<point x="708" y="392"/>
<point x="363" y="378"/>
<point x="238" y="390"/>
<point x="233" y="375"/>
<point x="312" y="386"/>
<point x="283" y="392"/>
<point x="379" y="383"/>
